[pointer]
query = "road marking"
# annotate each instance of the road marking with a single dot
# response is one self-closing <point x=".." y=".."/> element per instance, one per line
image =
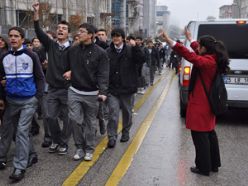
<point x="81" y="170"/>
<point x="128" y="156"/>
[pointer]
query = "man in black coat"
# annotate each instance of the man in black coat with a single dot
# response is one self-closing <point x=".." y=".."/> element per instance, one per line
<point x="122" y="83"/>
<point x="57" y="95"/>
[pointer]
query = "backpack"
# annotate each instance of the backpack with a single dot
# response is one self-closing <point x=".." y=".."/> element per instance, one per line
<point x="217" y="96"/>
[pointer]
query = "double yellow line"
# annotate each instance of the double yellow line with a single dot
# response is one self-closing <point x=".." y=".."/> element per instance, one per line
<point x="81" y="170"/>
<point x="126" y="160"/>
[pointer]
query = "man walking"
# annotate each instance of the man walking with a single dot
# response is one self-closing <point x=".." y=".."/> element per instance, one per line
<point x="89" y="74"/>
<point x="24" y="86"/>
<point x="124" y="60"/>
<point x="57" y="86"/>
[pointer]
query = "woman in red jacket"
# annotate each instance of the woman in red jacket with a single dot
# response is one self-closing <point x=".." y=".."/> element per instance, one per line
<point x="209" y="56"/>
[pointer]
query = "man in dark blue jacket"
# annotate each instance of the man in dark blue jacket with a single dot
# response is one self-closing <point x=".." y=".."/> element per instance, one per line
<point x="124" y="60"/>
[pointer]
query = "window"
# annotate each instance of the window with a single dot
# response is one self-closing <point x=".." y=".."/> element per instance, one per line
<point x="235" y="37"/>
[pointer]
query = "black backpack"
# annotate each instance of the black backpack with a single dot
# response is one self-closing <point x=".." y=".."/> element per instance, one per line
<point x="217" y="95"/>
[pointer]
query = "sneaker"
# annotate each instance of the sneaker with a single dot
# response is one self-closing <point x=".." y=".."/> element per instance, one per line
<point x="62" y="150"/>
<point x="78" y="155"/>
<point x="88" y="156"/>
<point x="53" y="148"/>
<point x="2" y="165"/>
<point x="142" y="92"/>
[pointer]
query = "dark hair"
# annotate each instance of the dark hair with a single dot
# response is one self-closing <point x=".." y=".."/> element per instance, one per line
<point x="26" y="42"/>
<point x="149" y="41"/>
<point x="139" y="37"/>
<point x="34" y="39"/>
<point x="218" y="48"/>
<point x="18" y="29"/>
<point x="63" y="22"/>
<point x="102" y="30"/>
<point x="5" y="40"/>
<point x="89" y="27"/>
<point x="130" y="37"/>
<point x="118" y="32"/>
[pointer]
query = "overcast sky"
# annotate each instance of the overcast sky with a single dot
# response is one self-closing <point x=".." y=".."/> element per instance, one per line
<point x="182" y="11"/>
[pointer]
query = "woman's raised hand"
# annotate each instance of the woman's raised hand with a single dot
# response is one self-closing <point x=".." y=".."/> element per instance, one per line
<point x="187" y="34"/>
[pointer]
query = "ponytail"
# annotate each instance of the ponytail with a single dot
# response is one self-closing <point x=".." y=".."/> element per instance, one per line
<point x="222" y="57"/>
<point x="218" y="48"/>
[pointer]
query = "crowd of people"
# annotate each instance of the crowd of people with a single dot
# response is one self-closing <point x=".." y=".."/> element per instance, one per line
<point x="74" y="84"/>
<point x="84" y="84"/>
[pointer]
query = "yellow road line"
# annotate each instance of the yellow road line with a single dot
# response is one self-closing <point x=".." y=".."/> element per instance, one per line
<point x="81" y="170"/>
<point x="127" y="158"/>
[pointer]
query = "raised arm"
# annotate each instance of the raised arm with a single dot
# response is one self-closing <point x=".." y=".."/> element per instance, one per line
<point x="42" y="36"/>
<point x="192" y="57"/>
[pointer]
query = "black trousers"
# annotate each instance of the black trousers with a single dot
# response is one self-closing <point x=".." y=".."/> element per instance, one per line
<point x="207" y="150"/>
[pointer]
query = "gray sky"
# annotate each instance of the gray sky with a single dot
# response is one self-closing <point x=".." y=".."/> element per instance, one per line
<point x="182" y="11"/>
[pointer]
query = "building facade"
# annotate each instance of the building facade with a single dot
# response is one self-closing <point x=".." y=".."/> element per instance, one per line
<point x="149" y="18"/>
<point x="135" y="17"/>
<point x="162" y="17"/>
<point x="119" y="14"/>
<point x="239" y="9"/>
<point x="20" y="13"/>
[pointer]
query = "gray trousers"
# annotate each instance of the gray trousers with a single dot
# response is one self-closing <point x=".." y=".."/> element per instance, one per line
<point x="21" y="111"/>
<point x="44" y="108"/>
<point x="146" y="73"/>
<point x="56" y="106"/>
<point x="83" y="111"/>
<point x="115" y="103"/>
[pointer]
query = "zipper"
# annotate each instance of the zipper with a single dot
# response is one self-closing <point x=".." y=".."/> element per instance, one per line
<point x="16" y="66"/>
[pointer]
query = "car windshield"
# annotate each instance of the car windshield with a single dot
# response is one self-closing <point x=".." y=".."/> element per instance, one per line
<point x="235" y="37"/>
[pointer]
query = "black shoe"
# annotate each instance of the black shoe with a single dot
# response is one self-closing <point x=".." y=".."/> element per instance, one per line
<point x="124" y="138"/>
<point x="216" y="169"/>
<point x="33" y="159"/>
<point x="17" y="175"/>
<point x="111" y="143"/>
<point x="102" y="127"/>
<point x="2" y="165"/>
<point x="46" y="144"/>
<point x="197" y="171"/>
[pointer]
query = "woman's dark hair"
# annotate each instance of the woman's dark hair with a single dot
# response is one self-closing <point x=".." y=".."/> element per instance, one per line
<point x="218" y="48"/>
<point x="6" y="44"/>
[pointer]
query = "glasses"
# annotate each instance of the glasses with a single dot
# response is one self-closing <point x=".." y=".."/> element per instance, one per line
<point x="83" y="32"/>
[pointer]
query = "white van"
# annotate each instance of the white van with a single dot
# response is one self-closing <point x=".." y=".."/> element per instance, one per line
<point x="234" y="34"/>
